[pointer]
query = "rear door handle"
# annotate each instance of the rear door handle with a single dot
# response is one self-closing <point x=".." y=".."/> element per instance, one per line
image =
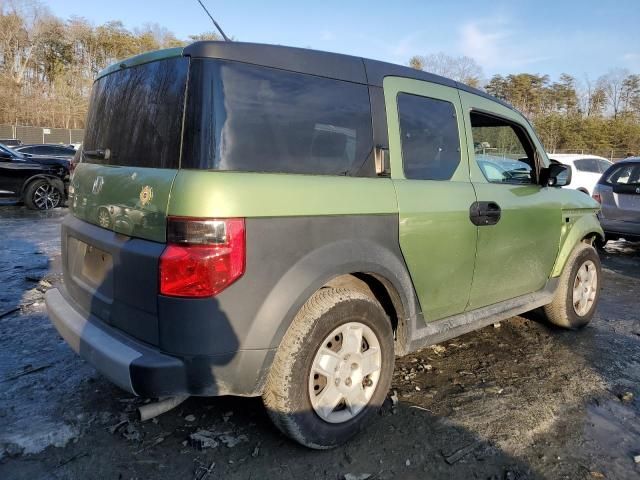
<point x="485" y="213"/>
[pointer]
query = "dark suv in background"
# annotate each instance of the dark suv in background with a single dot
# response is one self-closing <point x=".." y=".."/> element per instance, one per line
<point x="45" y="150"/>
<point x="40" y="182"/>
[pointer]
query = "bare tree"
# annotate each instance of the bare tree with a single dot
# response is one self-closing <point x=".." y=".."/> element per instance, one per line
<point x="612" y="84"/>
<point x="462" y="69"/>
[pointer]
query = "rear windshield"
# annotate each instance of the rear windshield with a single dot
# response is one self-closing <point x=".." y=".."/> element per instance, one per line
<point x="135" y="116"/>
<point x="250" y="118"/>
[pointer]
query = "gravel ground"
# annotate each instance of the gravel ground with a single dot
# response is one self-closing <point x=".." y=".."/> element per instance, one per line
<point x="511" y="401"/>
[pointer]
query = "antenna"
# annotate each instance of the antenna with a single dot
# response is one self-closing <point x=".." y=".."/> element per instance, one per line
<point x="226" y="39"/>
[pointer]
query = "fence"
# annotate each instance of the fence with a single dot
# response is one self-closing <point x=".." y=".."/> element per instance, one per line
<point x="614" y="154"/>
<point x="42" y="134"/>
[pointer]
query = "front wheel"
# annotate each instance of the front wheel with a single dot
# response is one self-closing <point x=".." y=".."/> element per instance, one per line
<point x="332" y="370"/>
<point x="578" y="290"/>
<point x="42" y="195"/>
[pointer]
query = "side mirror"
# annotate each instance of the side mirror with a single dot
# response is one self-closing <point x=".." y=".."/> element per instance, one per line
<point x="556" y="175"/>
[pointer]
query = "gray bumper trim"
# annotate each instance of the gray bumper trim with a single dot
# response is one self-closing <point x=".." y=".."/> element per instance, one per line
<point x="108" y="355"/>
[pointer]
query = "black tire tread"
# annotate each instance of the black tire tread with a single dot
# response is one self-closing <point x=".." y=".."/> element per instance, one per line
<point x="557" y="312"/>
<point x="278" y="380"/>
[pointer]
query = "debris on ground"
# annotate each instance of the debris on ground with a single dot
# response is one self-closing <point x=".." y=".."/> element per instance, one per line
<point x="25" y="371"/>
<point x="636" y="459"/>
<point x="202" y="471"/>
<point x="626" y="397"/>
<point x="497" y="325"/>
<point x="131" y="433"/>
<point x="438" y="349"/>
<point x="256" y="452"/>
<point x="114" y="428"/>
<point x="394" y="398"/>
<point x="203" y="439"/>
<point x="230" y="441"/>
<point x="356" y="476"/>
<point x="190" y="418"/>
<point x="459" y="454"/>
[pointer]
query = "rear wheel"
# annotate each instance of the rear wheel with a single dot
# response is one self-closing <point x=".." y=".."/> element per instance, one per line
<point x="332" y="370"/>
<point x="42" y="195"/>
<point x="578" y="290"/>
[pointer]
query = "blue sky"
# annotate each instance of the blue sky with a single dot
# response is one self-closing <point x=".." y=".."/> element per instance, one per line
<point x="578" y="37"/>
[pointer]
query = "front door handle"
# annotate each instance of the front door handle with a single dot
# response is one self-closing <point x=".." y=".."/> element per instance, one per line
<point x="485" y="213"/>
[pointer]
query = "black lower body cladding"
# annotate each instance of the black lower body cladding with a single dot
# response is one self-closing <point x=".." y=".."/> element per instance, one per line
<point x="224" y="345"/>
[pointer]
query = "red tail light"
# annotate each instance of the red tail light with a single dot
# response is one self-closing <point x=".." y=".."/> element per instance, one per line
<point x="203" y="256"/>
<point x="597" y="197"/>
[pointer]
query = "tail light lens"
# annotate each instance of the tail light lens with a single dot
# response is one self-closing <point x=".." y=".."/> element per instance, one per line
<point x="203" y="256"/>
<point x="596" y="196"/>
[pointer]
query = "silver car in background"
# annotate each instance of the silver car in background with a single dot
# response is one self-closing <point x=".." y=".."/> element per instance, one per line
<point x="618" y="191"/>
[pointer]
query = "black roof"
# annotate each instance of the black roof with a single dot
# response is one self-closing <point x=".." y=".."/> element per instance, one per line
<point x="628" y="160"/>
<point x="324" y="64"/>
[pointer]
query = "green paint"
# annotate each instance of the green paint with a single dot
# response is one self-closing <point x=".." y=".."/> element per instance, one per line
<point x="578" y="228"/>
<point x="515" y="256"/>
<point x="141" y="59"/>
<point x="436" y="237"/>
<point x="115" y="201"/>
<point x="234" y="194"/>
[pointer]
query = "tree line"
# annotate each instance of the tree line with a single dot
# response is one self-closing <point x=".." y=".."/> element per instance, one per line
<point x="600" y="117"/>
<point x="47" y="65"/>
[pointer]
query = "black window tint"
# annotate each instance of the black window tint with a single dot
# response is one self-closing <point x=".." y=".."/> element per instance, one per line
<point x="625" y="175"/>
<point x="136" y="113"/>
<point x="502" y="150"/>
<point x="249" y="118"/>
<point x="429" y="134"/>
<point x="588" y="165"/>
<point x="602" y="165"/>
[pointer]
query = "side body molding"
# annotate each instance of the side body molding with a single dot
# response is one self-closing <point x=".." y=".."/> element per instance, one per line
<point x="320" y="249"/>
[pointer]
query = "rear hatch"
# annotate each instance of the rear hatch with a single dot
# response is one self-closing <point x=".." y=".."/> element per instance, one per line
<point x="120" y="188"/>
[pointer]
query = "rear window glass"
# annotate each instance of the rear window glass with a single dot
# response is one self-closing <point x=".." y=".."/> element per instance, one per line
<point x="135" y="115"/>
<point x="248" y="118"/>
<point x="625" y="175"/>
<point x="429" y="134"/>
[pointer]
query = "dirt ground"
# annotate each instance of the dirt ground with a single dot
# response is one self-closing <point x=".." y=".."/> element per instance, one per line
<point x="512" y="401"/>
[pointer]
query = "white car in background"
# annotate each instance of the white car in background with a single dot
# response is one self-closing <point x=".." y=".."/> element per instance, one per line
<point x="586" y="170"/>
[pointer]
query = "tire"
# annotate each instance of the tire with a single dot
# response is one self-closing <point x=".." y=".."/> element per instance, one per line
<point x="291" y="382"/>
<point x="567" y="310"/>
<point x="42" y="195"/>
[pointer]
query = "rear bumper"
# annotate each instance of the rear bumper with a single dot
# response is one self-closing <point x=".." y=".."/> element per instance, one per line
<point x="617" y="227"/>
<point x="143" y="370"/>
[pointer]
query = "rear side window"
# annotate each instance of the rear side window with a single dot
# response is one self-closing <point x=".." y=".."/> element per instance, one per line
<point x="136" y="114"/>
<point x="249" y="118"/>
<point x="591" y="165"/>
<point x="628" y="174"/>
<point x="430" y="140"/>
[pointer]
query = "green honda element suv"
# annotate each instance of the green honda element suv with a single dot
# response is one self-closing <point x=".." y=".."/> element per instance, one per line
<point x="260" y="220"/>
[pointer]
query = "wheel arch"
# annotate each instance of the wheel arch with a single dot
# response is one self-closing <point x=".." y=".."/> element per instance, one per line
<point x="53" y="180"/>
<point x="586" y="229"/>
<point x="363" y="265"/>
